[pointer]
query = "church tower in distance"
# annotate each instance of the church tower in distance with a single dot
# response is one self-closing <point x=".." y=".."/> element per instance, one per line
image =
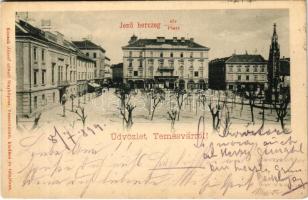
<point x="273" y="66"/>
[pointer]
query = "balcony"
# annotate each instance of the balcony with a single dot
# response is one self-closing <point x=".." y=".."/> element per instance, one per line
<point x="35" y="65"/>
<point x="44" y="66"/>
<point x="165" y="69"/>
<point x="201" y="59"/>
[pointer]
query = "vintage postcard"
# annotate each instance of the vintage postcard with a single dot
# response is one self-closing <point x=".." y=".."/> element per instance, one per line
<point x="154" y="99"/>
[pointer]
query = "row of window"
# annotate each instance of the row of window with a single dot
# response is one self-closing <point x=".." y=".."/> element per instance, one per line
<point x="170" y="55"/>
<point x="247" y="68"/>
<point x="93" y="55"/>
<point x="87" y="65"/>
<point x="195" y="73"/>
<point x="35" y="54"/>
<point x="247" y="77"/>
<point x="72" y="59"/>
<point x="72" y="75"/>
<point x="82" y="75"/>
<point x="43" y="101"/>
<point x="171" y="65"/>
<point x="35" y="76"/>
<point x="161" y="64"/>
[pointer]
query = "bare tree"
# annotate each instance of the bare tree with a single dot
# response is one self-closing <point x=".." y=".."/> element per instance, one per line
<point x="227" y="121"/>
<point x="80" y="111"/>
<point x="146" y="94"/>
<point x="128" y="118"/>
<point x="241" y="94"/>
<point x="215" y="115"/>
<point x="157" y="97"/>
<point x="251" y="95"/>
<point x="124" y="93"/>
<point x="79" y="96"/>
<point x="281" y="105"/>
<point x="172" y="116"/>
<point x="189" y="100"/>
<point x="36" y="120"/>
<point x="179" y="95"/>
<point x="233" y="101"/>
<point x="202" y="100"/>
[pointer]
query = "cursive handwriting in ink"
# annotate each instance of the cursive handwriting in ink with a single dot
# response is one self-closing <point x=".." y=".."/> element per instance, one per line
<point x="200" y="142"/>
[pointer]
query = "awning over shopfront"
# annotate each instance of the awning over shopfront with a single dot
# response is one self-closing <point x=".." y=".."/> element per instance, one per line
<point x="92" y="87"/>
<point x="95" y="85"/>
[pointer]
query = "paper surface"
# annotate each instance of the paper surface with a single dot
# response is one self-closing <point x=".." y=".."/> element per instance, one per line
<point x="99" y="154"/>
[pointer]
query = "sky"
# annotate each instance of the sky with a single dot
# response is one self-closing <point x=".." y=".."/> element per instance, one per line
<point x="224" y="31"/>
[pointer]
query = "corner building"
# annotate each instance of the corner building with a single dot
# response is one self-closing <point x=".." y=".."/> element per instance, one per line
<point x="47" y="66"/>
<point x="165" y="63"/>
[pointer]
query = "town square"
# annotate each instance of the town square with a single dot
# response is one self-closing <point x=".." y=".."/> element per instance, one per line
<point x="156" y="100"/>
<point x="160" y="80"/>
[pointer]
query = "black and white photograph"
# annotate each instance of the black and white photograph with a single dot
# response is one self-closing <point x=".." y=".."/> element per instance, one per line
<point x="157" y="67"/>
<point x="155" y="100"/>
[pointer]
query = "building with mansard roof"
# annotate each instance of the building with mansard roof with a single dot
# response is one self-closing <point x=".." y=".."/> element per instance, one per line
<point x="96" y="53"/>
<point x="167" y="63"/>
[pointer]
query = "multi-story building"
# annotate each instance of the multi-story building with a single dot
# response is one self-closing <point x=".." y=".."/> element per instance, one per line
<point x="238" y="71"/>
<point x="46" y="68"/>
<point x="108" y="72"/>
<point x="117" y="74"/>
<point x="285" y="71"/>
<point x="168" y="63"/>
<point x="85" y="70"/>
<point x="96" y="53"/>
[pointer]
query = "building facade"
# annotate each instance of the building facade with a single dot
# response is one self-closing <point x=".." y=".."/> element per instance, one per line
<point x="167" y="63"/>
<point x="85" y="70"/>
<point x="285" y="72"/>
<point x="96" y="53"/>
<point x="117" y="74"/>
<point x="107" y="71"/>
<point x="46" y="68"/>
<point x="238" y="72"/>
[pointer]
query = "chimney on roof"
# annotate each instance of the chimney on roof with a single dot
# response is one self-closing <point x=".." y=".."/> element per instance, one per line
<point x="132" y="39"/>
<point x="175" y="39"/>
<point x="234" y="53"/>
<point x="191" y="39"/>
<point x="182" y="39"/>
<point x="160" y="39"/>
<point x="46" y="24"/>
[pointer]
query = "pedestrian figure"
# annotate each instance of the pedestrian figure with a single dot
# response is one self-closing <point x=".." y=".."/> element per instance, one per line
<point x="63" y="101"/>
